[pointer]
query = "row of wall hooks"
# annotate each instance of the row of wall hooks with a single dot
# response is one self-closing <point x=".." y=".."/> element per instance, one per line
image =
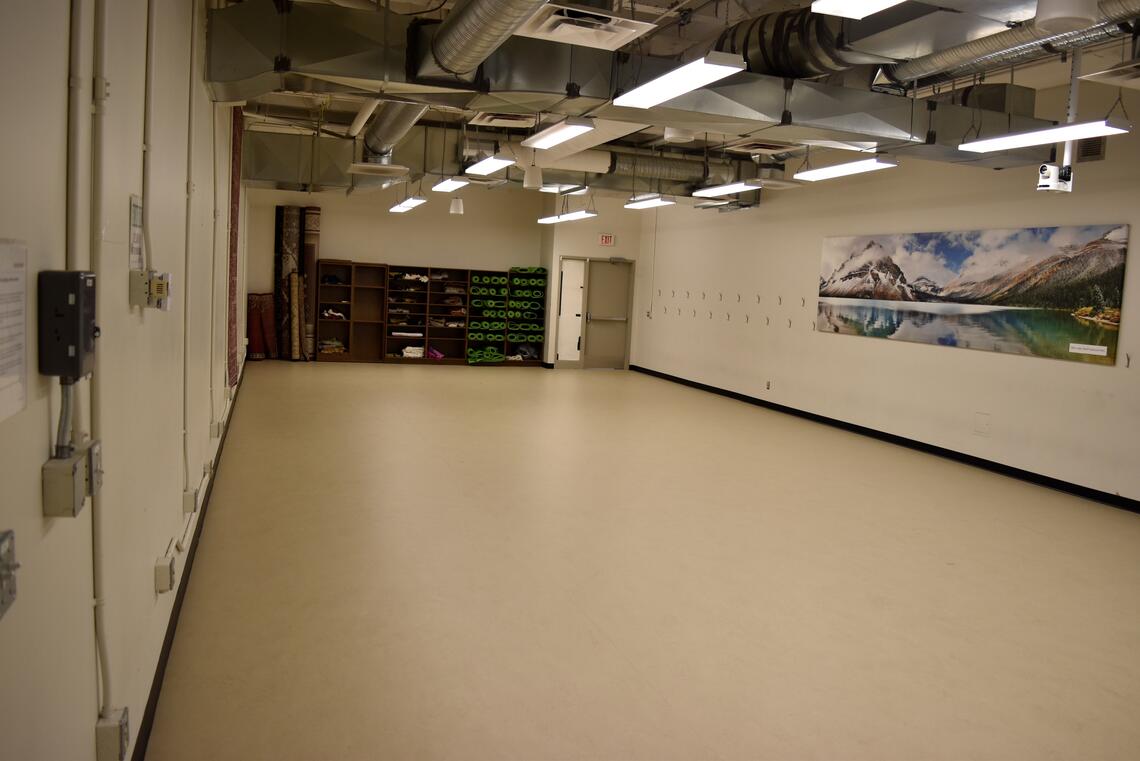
<point x="727" y="316"/>
<point x="720" y="297"/>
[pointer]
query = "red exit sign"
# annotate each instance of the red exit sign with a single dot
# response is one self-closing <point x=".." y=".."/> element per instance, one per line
<point x="606" y="239"/>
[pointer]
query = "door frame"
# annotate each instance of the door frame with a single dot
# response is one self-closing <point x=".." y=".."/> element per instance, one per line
<point x="571" y="364"/>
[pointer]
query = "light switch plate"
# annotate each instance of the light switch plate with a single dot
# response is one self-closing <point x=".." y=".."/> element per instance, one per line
<point x="8" y="567"/>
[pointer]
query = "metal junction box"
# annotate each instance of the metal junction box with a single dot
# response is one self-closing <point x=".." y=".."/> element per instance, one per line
<point x="67" y="323"/>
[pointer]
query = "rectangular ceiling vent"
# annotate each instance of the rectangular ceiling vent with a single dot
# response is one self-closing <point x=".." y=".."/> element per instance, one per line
<point x="1091" y="149"/>
<point x="505" y="121"/>
<point x="1125" y="74"/>
<point x="760" y="148"/>
<point x="580" y="25"/>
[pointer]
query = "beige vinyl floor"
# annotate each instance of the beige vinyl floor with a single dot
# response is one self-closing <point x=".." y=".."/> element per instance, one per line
<point x="495" y="563"/>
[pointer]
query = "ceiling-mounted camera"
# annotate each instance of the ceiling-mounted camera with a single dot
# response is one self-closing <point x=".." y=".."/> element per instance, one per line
<point x="1054" y="178"/>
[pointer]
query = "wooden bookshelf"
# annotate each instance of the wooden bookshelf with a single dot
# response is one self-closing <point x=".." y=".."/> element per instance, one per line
<point x="334" y="297"/>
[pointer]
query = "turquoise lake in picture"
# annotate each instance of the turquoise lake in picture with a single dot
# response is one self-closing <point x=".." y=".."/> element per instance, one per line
<point x="1034" y="332"/>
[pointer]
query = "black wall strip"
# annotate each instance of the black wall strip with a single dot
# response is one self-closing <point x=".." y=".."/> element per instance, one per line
<point x="147" y="723"/>
<point x="1115" y="500"/>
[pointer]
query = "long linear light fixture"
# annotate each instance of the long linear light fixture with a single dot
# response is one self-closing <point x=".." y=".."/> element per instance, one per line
<point x="1048" y="136"/>
<point x="649" y="201"/>
<point x="565" y="190"/>
<point x="844" y="170"/>
<point x="856" y="9"/>
<point x="490" y="165"/>
<point x="557" y="134"/>
<point x="732" y="188"/>
<point x="408" y="204"/>
<point x="692" y="76"/>
<point x="450" y="184"/>
<point x="570" y="216"/>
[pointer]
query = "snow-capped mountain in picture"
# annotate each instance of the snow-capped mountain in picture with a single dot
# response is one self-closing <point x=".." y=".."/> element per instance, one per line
<point x="1069" y="278"/>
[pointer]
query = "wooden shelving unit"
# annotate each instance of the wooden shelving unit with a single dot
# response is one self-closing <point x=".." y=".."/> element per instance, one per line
<point x="369" y="286"/>
<point x="334" y="297"/>
<point x="443" y="315"/>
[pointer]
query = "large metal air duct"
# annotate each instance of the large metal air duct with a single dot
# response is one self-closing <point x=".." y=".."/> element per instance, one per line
<point x="389" y="127"/>
<point x="1024" y="43"/>
<point x="792" y="44"/>
<point x="642" y="166"/>
<point x="475" y="29"/>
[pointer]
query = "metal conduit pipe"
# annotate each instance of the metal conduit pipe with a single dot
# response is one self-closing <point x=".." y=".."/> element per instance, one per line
<point x="659" y="168"/>
<point x="1023" y="43"/>
<point x="393" y="122"/>
<point x="792" y="44"/>
<point x="476" y="29"/>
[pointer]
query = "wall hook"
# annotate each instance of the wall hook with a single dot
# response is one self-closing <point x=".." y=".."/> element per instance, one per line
<point x="789" y="323"/>
<point x="747" y="318"/>
<point x="738" y="298"/>
<point x="694" y="313"/>
<point x="1128" y="360"/>
<point x="758" y="298"/>
<point x="728" y="316"/>
<point x="803" y="302"/>
<point x="703" y="296"/>
<point x="674" y="293"/>
<point x="710" y="315"/>
<point x="780" y="300"/>
<point x="721" y="295"/>
<point x="767" y="321"/>
<point x="687" y="294"/>
<point x="658" y="291"/>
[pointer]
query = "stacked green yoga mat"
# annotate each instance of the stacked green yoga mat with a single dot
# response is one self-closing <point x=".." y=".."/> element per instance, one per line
<point x="507" y="315"/>
<point x="486" y="323"/>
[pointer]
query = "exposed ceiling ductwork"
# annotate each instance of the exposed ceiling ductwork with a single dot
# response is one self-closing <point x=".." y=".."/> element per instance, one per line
<point x="346" y="61"/>
<point x="473" y="31"/>
<point x="1018" y="45"/>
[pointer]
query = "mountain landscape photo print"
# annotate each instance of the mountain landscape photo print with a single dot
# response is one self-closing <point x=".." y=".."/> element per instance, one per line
<point x="1040" y="291"/>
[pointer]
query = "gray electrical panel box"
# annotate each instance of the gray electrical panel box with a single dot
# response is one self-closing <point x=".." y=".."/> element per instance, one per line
<point x="67" y="329"/>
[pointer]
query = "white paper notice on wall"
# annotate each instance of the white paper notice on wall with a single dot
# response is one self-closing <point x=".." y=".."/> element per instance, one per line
<point x="13" y="330"/>
<point x="1095" y="351"/>
<point x="135" y="247"/>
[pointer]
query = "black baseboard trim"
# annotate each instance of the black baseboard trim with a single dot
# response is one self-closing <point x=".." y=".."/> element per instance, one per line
<point x="142" y="739"/>
<point x="1115" y="500"/>
<point x="548" y="365"/>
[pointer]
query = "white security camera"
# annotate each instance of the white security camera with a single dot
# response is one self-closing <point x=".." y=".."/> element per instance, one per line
<point x="1055" y="179"/>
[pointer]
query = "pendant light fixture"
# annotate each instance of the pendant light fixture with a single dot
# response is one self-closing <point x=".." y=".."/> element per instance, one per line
<point x="713" y="67"/>
<point x="457" y="205"/>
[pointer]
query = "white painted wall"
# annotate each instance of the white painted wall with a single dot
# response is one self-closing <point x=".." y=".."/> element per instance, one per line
<point x="49" y="708"/>
<point x="498" y="229"/>
<point x="1070" y="421"/>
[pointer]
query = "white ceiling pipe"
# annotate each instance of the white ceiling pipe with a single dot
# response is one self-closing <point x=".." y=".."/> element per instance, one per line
<point x="367" y="108"/>
<point x="592" y="161"/>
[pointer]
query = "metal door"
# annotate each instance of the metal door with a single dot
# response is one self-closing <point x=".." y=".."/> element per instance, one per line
<point x="609" y="296"/>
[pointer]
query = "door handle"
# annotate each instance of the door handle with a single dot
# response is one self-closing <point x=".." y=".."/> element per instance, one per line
<point x="609" y="319"/>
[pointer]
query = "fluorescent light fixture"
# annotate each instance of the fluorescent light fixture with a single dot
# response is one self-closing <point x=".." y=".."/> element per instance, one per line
<point x="843" y="170"/>
<point x="856" y="9"/>
<point x="490" y="165"/>
<point x="649" y="201"/>
<point x="408" y="204"/>
<point x="711" y="204"/>
<point x="450" y="184"/>
<point x="557" y="134"/>
<point x="568" y="217"/>
<point x="566" y="190"/>
<point x="1059" y="134"/>
<point x="732" y="188"/>
<point x="692" y="76"/>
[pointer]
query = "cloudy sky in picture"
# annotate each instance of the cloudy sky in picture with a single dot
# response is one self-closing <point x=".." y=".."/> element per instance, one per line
<point x="966" y="256"/>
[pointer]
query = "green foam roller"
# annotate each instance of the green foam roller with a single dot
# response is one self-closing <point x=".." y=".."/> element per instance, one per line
<point x="529" y="316"/>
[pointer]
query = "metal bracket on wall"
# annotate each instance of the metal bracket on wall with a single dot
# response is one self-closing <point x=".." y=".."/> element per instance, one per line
<point x="8" y="568"/>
